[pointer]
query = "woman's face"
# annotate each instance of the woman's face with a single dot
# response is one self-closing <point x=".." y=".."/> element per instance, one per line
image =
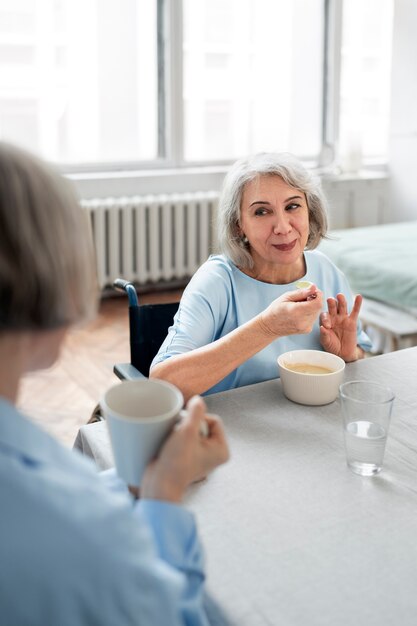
<point x="274" y="218"/>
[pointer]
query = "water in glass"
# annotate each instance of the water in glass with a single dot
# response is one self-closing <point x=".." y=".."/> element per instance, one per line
<point x="365" y="446"/>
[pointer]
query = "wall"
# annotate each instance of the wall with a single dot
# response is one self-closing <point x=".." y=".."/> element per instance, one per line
<point x="403" y="125"/>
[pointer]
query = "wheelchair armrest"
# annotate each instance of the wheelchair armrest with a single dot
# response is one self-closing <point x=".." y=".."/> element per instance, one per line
<point x="127" y="371"/>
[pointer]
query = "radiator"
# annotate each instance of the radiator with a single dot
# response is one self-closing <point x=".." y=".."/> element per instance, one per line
<point x="152" y="239"/>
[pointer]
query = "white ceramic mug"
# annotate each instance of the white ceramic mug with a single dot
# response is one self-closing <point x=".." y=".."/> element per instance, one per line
<point x="140" y="414"/>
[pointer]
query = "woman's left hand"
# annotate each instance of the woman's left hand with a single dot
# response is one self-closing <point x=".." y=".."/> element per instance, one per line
<point x="338" y="332"/>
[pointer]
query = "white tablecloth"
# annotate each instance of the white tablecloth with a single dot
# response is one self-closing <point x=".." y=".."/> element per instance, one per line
<point x="292" y="536"/>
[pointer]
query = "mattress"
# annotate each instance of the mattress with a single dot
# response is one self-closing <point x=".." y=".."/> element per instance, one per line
<point x="380" y="262"/>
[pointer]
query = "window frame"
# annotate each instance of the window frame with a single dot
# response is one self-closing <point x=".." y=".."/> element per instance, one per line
<point x="171" y="173"/>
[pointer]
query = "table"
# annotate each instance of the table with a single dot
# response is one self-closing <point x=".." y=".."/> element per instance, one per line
<point x="292" y="536"/>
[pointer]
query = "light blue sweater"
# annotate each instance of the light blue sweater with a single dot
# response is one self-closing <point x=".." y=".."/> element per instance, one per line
<point x="76" y="550"/>
<point x="220" y="297"/>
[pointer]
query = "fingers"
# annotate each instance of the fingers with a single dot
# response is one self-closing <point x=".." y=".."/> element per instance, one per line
<point x="208" y="427"/>
<point x="342" y="304"/>
<point x="356" y="307"/>
<point x="325" y="338"/>
<point x="186" y="456"/>
<point x="338" y="327"/>
<point x="332" y="307"/>
<point x="193" y="417"/>
<point x="214" y="434"/>
<point x="338" y="307"/>
<point x="217" y="434"/>
<point x="325" y="320"/>
<point x="300" y="295"/>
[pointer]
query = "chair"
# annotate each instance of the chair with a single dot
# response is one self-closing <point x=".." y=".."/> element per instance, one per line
<point x="148" y="325"/>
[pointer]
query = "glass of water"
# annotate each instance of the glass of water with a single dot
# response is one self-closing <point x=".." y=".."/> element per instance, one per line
<point x="366" y="410"/>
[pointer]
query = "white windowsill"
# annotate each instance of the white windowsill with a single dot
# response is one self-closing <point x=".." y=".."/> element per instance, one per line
<point x="179" y="180"/>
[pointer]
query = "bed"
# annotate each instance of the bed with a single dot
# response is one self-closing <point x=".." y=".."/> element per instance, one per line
<point x="380" y="263"/>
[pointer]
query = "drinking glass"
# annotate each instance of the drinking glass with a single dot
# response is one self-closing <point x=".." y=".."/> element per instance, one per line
<point x="366" y="410"/>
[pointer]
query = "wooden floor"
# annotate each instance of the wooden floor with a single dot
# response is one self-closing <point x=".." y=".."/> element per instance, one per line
<point x="62" y="398"/>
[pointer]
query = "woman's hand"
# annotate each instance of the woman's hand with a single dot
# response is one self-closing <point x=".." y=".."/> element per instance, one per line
<point x="293" y="313"/>
<point x="338" y="332"/>
<point x="186" y="456"/>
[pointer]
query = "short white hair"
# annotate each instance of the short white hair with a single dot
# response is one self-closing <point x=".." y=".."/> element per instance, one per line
<point x="47" y="269"/>
<point x="291" y="170"/>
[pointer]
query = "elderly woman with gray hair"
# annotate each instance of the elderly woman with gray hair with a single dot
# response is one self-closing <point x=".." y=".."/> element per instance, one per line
<point x="75" y="548"/>
<point x="242" y="308"/>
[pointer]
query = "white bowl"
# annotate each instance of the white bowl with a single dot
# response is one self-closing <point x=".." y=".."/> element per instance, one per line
<point x="312" y="389"/>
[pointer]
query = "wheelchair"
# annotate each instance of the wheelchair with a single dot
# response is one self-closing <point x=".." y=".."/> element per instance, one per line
<point x="148" y="327"/>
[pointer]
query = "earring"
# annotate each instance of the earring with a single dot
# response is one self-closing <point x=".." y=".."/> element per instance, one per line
<point x="244" y="240"/>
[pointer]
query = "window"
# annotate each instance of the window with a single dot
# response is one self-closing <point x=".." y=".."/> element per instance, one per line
<point x="78" y="78"/>
<point x="365" y="78"/>
<point x="100" y="84"/>
<point x="253" y="76"/>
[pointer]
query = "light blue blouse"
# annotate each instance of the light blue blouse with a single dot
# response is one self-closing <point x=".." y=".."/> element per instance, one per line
<point x="77" y="550"/>
<point x="220" y="297"/>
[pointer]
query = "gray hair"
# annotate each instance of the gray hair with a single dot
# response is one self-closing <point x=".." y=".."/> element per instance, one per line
<point x="287" y="167"/>
<point x="47" y="273"/>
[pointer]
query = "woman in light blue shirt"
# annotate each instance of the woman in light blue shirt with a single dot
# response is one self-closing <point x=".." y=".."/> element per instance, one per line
<point x="242" y="308"/>
<point x="75" y="548"/>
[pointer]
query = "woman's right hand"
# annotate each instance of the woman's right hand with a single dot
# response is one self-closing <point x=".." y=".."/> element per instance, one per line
<point x="186" y="456"/>
<point x="293" y="313"/>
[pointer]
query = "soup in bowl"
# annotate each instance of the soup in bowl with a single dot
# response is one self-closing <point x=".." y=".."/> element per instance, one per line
<point x="310" y="376"/>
